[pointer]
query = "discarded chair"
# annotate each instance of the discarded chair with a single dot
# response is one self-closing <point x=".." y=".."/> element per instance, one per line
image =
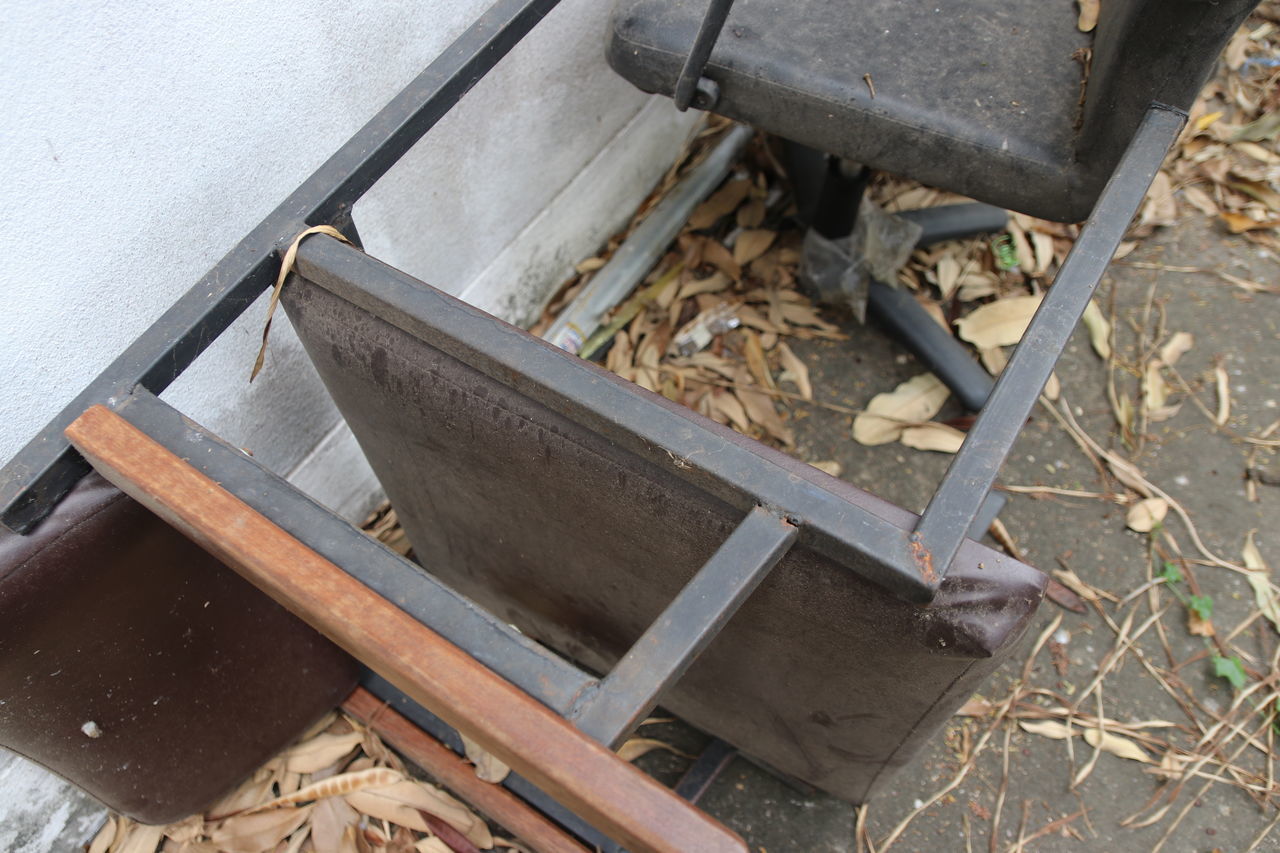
<point x="607" y="523"/>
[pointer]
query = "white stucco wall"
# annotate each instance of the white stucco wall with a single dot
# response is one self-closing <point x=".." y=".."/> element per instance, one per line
<point x="141" y="140"/>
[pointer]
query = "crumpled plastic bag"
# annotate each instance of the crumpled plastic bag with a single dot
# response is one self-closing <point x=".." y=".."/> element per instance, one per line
<point x="839" y="272"/>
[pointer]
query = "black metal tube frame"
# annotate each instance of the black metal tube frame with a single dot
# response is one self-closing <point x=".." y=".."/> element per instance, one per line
<point x="708" y="31"/>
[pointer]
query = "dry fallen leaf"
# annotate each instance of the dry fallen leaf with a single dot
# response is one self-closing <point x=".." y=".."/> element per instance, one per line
<point x="948" y="275"/>
<point x="1161" y="208"/>
<point x="714" y="283"/>
<point x="975" y="707"/>
<point x="1146" y="514"/>
<point x="1223" y="383"/>
<point x="1238" y="223"/>
<point x="756" y="362"/>
<point x="1259" y="578"/>
<point x="144" y="839"/>
<point x="1200" y="200"/>
<point x="993" y="359"/>
<point x="1197" y="626"/>
<point x="488" y="768"/>
<point x="722" y="259"/>
<point x="401" y="803"/>
<point x="320" y="752"/>
<point x="1053" y="387"/>
<point x="638" y="746"/>
<point x="933" y="436"/>
<point x="1021" y="245"/>
<point x="1088" y="18"/>
<point x="751" y="214"/>
<point x="106" y="835"/>
<point x="721" y="203"/>
<point x="1155" y="391"/>
<point x="795" y="371"/>
<point x="1177" y="346"/>
<point x="1000" y="323"/>
<point x="1048" y="728"/>
<point x="432" y="844"/>
<point x="333" y="826"/>
<point x="1099" y="330"/>
<point x="1116" y="745"/>
<point x="254" y="833"/>
<point x="751" y="244"/>
<point x="828" y="466"/>
<point x="887" y="415"/>
<point x="759" y="408"/>
<point x="728" y="409"/>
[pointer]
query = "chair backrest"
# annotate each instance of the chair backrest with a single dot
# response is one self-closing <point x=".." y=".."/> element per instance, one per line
<point x="580" y="534"/>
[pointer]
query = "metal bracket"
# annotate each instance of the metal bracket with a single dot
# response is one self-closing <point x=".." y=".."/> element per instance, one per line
<point x="692" y="89"/>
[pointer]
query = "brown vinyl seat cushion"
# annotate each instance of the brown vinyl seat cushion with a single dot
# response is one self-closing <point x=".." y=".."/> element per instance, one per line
<point x="140" y="668"/>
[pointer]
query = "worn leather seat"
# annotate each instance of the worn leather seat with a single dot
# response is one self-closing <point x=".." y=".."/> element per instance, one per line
<point x="580" y="542"/>
<point x="987" y="98"/>
<point x="140" y="668"/>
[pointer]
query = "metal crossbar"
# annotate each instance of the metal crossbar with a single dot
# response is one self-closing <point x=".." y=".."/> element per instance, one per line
<point x="973" y="471"/>
<point x="613" y="709"/>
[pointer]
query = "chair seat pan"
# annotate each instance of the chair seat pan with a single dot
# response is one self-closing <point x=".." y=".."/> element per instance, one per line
<point x="981" y="98"/>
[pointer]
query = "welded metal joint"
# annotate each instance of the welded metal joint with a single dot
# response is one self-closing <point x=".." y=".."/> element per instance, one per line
<point x="610" y="710"/>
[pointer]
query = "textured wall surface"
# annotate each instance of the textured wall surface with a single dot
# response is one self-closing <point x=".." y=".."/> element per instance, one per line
<point x="141" y="140"/>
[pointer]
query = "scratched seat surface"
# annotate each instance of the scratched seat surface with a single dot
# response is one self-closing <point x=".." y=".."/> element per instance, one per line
<point x="979" y="97"/>
<point x="1005" y="101"/>
<point x="580" y="542"/>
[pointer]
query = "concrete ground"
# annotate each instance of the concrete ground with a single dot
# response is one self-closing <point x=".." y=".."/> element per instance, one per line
<point x="1196" y="464"/>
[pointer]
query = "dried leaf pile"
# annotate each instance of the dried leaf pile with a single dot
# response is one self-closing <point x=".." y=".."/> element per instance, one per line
<point x="709" y="327"/>
<point x="338" y="790"/>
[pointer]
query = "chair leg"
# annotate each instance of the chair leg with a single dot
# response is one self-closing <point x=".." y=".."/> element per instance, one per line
<point x="827" y="192"/>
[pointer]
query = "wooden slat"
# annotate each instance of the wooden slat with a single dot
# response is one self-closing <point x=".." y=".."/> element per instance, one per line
<point x="453" y="772"/>
<point x="533" y="740"/>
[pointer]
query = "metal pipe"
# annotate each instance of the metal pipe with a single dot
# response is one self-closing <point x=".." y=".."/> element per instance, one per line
<point x="696" y="61"/>
<point x="953" y="507"/>
<point x="644" y="247"/>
